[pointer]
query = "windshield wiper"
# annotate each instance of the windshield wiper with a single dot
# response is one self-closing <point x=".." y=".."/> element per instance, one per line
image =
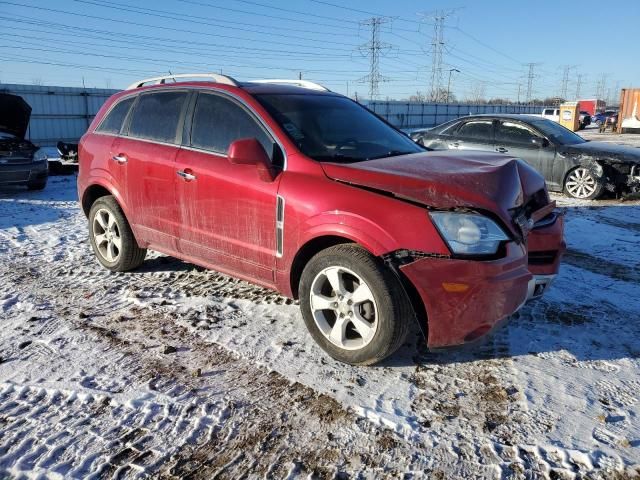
<point x="392" y="153"/>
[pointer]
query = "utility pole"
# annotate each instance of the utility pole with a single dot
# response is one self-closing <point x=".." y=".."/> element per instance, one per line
<point x="530" y="76"/>
<point x="519" y="87"/>
<point x="373" y="49"/>
<point x="451" y="70"/>
<point x="578" y="85"/>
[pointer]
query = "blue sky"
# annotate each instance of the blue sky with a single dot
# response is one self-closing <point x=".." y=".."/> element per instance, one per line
<point x="113" y="43"/>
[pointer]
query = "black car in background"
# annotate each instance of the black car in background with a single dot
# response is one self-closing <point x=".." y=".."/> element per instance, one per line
<point x="21" y="162"/>
<point x="580" y="168"/>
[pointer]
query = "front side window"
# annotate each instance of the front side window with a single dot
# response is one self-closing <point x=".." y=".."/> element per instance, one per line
<point x="157" y="116"/>
<point x="557" y="133"/>
<point x="112" y="123"/>
<point x="332" y="128"/>
<point x="512" y="132"/>
<point x="218" y="122"/>
<point x="480" y="129"/>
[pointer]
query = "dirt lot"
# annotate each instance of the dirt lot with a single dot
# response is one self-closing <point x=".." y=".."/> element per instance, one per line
<point x="176" y="372"/>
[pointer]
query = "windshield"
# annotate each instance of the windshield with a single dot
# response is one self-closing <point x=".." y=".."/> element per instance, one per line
<point x="335" y="129"/>
<point x="557" y="133"/>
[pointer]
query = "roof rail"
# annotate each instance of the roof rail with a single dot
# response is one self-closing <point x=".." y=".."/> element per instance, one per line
<point x="299" y="83"/>
<point x="215" y="77"/>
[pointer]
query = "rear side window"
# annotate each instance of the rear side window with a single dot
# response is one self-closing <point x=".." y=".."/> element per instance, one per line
<point x="218" y="122"/>
<point x="549" y="112"/>
<point x="514" y="133"/>
<point x="112" y="123"/>
<point x="476" y="129"/>
<point x="157" y="116"/>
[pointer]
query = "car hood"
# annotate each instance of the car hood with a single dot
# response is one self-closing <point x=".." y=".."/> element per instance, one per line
<point x="446" y="180"/>
<point x="604" y="151"/>
<point x="14" y="115"/>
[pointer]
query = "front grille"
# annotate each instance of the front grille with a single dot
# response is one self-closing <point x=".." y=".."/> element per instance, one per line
<point x="14" y="160"/>
<point x="11" y="177"/>
<point x="543" y="258"/>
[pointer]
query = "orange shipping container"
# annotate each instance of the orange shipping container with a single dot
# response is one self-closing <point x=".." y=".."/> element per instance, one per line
<point x="629" y="116"/>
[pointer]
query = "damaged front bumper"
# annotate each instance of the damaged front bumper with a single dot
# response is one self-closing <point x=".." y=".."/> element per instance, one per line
<point x="466" y="299"/>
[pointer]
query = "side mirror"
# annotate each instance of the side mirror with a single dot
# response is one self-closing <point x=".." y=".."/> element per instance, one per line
<point x="540" y="142"/>
<point x="249" y="151"/>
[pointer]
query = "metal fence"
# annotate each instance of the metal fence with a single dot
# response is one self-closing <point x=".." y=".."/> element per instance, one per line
<point x="59" y="113"/>
<point x="64" y="113"/>
<point x="408" y="115"/>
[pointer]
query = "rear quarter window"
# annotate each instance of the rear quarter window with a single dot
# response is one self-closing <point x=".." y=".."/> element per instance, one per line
<point x="112" y="122"/>
<point x="157" y="116"/>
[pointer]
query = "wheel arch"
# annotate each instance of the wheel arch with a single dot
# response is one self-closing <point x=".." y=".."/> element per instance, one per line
<point x="307" y="251"/>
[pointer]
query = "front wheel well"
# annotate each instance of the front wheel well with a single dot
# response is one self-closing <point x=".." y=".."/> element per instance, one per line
<point x="91" y="194"/>
<point x="307" y="252"/>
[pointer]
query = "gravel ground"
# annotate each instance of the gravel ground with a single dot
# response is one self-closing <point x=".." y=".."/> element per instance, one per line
<point x="176" y="372"/>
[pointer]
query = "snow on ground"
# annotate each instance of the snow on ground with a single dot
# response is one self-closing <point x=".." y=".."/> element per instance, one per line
<point x="87" y="392"/>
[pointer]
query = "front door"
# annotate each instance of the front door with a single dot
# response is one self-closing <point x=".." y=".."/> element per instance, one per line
<point x="518" y="140"/>
<point x="227" y="213"/>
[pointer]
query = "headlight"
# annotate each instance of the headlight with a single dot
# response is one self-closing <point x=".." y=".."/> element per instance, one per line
<point x="39" y="156"/>
<point x="469" y="233"/>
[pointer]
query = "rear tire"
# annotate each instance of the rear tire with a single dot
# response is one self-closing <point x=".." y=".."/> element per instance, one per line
<point x="111" y="236"/>
<point x="366" y="318"/>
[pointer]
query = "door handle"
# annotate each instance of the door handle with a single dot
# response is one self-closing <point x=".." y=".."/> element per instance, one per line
<point x="119" y="159"/>
<point x="502" y="150"/>
<point x="186" y="175"/>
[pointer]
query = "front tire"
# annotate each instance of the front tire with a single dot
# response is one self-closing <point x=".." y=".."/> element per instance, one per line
<point x="353" y="305"/>
<point x="111" y="237"/>
<point x="581" y="183"/>
<point x="37" y="185"/>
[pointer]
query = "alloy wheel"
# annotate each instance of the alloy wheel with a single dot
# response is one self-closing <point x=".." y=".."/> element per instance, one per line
<point x="343" y="308"/>
<point x="106" y="235"/>
<point x="581" y="183"/>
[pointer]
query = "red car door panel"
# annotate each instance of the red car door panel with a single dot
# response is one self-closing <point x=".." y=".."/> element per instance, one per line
<point x="151" y="195"/>
<point x="227" y="212"/>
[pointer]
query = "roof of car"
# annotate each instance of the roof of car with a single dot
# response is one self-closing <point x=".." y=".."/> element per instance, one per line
<point x="274" y="88"/>
<point x="511" y="116"/>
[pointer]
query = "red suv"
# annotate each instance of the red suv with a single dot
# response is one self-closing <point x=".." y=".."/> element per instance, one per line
<point x="298" y="189"/>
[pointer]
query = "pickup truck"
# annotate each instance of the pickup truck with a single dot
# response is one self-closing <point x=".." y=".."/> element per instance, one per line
<point x="554" y="115"/>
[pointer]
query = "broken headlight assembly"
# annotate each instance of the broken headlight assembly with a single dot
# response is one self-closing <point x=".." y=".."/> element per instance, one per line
<point x="469" y="233"/>
<point x="39" y="156"/>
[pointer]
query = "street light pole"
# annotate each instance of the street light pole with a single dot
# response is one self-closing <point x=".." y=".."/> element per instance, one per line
<point x="451" y="70"/>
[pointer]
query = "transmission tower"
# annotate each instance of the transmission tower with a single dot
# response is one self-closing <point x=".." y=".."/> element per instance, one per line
<point x="373" y="49"/>
<point x="437" y="50"/>
<point x="578" y="85"/>
<point x="530" y="76"/>
<point x="565" y="80"/>
<point x="601" y="87"/>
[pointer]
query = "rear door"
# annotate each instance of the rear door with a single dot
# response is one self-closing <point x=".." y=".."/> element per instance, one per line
<point x="476" y="134"/>
<point x="103" y="145"/>
<point x="148" y="149"/>
<point x="517" y="139"/>
<point x="227" y="214"/>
